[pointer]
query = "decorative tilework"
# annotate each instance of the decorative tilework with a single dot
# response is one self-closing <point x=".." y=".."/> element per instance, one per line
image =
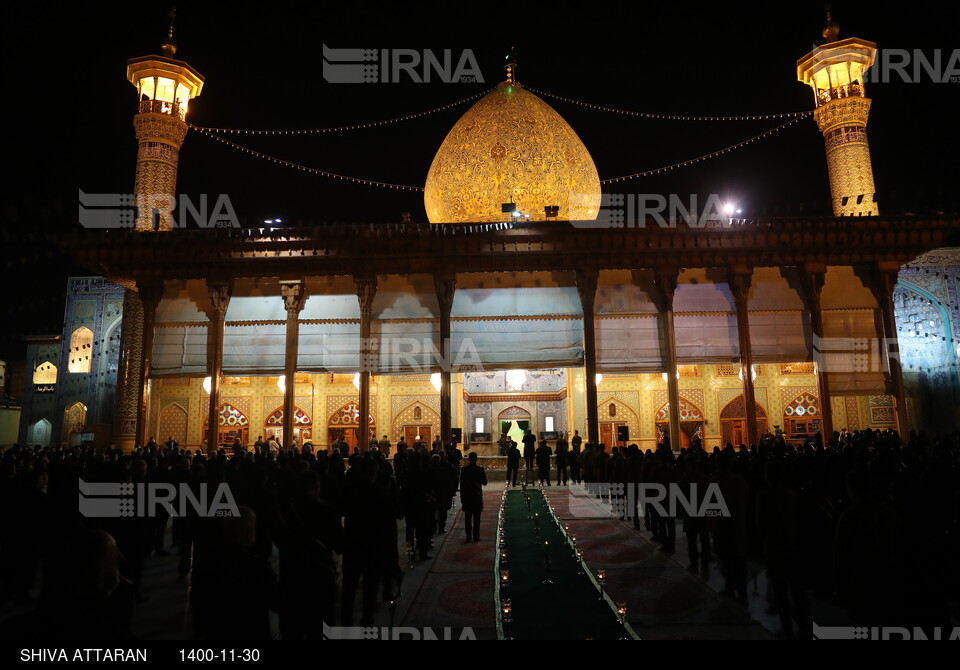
<point x="789" y="393"/>
<point x="851" y="408"/>
<point x="406" y="417"/>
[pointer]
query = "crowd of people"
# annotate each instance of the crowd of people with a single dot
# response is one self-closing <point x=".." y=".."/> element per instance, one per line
<point x="331" y="516"/>
<point x="863" y="521"/>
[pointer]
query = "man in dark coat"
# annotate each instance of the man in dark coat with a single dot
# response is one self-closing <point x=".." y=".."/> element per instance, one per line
<point x="529" y="449"/>
<point x="513" y="463"/>
<point x="543" y="462"/>
<point x="472" y="480"/>
<point x="562" y="461"/>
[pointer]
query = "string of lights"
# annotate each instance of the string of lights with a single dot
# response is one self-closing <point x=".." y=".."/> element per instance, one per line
<point x="297" y="166"/>
<point x="671" y="117"/>
<point x="337" y="129"/>
<point x="403" y="187"/>
<point x="713" y="154"/>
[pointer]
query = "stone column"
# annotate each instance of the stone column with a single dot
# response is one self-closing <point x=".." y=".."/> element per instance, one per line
<point x="813" y="277"/>
<point x="129" y="373"/>
<point x="665" y="287"/>
<point x="150" y="295"/>
<point x="366" y="291"/>
<point x="882" y="281"/>
<point x="739" y="278"/>
<point x="445" y="285"/>
<point x="293" y="298"/>
<point x="219" y="293"/>
<point x="587" y="288"/>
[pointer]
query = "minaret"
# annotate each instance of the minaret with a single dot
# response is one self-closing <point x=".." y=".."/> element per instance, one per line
<point x="164" y="88"/>
<point x="835" y="72"/>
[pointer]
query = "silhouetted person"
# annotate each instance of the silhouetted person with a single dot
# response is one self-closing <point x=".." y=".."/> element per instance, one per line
<point x="513" y="463"/>
<point x="543" y="462"/>
<point x="472" y="480"/>
<point x="232" y="589"/>
<point x="529" y="449"/>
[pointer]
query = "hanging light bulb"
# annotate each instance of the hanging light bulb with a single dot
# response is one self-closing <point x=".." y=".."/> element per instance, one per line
<point x="599" y="378"/>
<point x="207" y="384"/>
<point x="282" y="383"/>
<point x="435" y="380"/>
<point x="356" y="380"/>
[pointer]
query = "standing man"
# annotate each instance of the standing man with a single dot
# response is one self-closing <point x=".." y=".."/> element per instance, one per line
<point x="562" y="460"/>
<point x="576" y="441"/>
<point x="384" y="446"/>
<point x="529" y="449"/>
<point x="513" y="463"/>
<point x="472" y="480"/>
<point x="543" y="462"/>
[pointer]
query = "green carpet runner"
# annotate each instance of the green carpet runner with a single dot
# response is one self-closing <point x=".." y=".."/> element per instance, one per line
<point x="572" y="607"/>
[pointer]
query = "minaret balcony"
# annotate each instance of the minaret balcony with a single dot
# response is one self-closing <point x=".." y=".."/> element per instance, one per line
<point x="163" y="107"/>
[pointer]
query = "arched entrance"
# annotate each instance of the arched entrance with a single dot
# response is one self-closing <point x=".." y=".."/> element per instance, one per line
<point x="733" y="421"/>
<point x="691" y="423"/>
<point x="302" y="425"/>
<point x="74" y="416"/>
<point x="514" y="422"/>
<point x="613" y="414"/>
<point x="172" y="422"/>
<point x="40" y="433"/>
<point x="801" y="418"/>
<point x="345" y="423"/>
<point x="416" y="419"/>
<point x="233" y="425"/>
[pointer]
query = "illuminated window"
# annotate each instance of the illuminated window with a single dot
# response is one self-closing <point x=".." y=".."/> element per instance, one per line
<point x="478" y="424"/>
<point x="548" y="424"/>
<point x="81" y="350"/>
<point x="45" y="373"/>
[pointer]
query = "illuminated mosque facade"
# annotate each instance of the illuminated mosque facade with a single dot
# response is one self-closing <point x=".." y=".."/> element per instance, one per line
<point x="513" y="309"/>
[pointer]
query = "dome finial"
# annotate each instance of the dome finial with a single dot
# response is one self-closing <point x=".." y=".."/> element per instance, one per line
<point x="169" y="47"/>
<point x="831" y="29"/>
<point x="511" y="65"/>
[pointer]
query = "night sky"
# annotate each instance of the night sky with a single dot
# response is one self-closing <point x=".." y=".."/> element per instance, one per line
<point x="72" y="128"/>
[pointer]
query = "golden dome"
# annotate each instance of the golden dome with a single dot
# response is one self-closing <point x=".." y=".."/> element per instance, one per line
<point x="511" y="147"/>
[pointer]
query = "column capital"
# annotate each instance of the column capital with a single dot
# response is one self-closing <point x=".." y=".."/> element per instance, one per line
<point x="219" y="293"/>
<point x="294" y="295"/>
<point x="445" y="285"/>
<point x="366" y="288"/>
<point x="587" y="287"/>
<point x="664" y="288"/>
<point x="739" y="278"/>
<point x="151" y="292"/>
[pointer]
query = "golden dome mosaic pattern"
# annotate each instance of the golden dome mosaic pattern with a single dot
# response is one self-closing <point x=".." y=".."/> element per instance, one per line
<point x="511" y="147"/>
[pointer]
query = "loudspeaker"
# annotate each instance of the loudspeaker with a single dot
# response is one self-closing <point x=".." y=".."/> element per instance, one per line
<point x="623" y="433"/>
<point x="456" y="434"/>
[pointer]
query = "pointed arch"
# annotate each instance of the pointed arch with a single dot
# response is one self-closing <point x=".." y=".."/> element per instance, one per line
<point x="40" y="433"/>
<point x="408" y="416"/>
<point x="81" y="350"/>
<point x="275" y="418"/>
<point x="172" y="422"/>
<point x="74" y="417"/>
<point x="45" y="373"/>
<point x="348" y="415"/>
